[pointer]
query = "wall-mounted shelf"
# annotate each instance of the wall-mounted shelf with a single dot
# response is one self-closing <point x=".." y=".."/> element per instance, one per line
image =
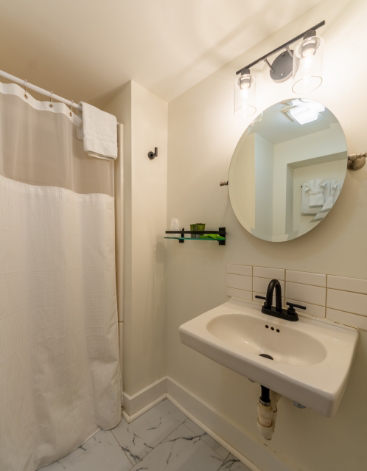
<point x="181" y="235"/>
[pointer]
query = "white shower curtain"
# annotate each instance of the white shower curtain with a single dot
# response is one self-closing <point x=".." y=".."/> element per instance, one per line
<point x="59" y="375"/>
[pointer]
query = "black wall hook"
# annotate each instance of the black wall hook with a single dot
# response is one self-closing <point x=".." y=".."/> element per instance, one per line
<point x="153" y="155"/>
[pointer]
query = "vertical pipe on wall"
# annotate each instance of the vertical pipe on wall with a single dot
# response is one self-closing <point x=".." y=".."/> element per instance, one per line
<point x="119" y="231"/>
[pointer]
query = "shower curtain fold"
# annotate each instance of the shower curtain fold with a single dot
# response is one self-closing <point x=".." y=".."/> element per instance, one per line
<point x="59" y="374"/>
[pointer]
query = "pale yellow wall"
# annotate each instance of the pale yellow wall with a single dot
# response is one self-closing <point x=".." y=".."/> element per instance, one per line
<point x="202" y="136"/>
<point x="144" y="116"/>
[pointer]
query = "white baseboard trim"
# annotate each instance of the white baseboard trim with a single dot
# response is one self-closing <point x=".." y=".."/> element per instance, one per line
<point x="254" y="454"/>
<point x="130" y="418"/>
<point x="143" y="400"/>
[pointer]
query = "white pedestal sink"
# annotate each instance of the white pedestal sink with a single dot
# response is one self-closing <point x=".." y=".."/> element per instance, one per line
<point x="311" y="358"/>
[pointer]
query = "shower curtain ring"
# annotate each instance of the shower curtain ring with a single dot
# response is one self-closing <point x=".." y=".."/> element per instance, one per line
<point x="51" y="105"/>
<point x="25" y="89"/>
<point x="71" y="108"/>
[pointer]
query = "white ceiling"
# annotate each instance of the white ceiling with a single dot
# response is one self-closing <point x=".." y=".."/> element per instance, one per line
<point x="277" y="128"/>
<point x="87" y="49"/>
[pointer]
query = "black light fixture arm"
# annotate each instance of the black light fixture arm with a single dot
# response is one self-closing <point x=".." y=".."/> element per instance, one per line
<point x="283" y="46"/>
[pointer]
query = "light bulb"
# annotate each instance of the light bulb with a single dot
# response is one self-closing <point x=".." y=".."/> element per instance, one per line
<point x="244" y="81"/>
<point x="308" y="52"/>
<point x="307" y="64"/>
<point x="308" y="47"/>
<point x="244" y="93"/>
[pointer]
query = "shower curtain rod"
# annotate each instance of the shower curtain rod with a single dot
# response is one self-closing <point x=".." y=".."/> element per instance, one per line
<point x="42" y="91"/>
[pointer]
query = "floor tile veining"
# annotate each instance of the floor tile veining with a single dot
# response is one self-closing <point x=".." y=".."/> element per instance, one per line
<point x="162" y="439"/>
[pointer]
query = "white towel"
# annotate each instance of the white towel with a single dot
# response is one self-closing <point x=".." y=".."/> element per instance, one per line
<point x="315" y="189"/>
<point x="337" y="186"/>
<point x="99" y="133"/>
<point x="313" y="195"/>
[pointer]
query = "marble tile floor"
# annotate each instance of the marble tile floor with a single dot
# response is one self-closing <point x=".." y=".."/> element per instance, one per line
<point x="162" y="439"/>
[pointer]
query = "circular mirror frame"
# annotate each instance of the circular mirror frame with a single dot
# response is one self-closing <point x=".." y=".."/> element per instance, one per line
<point x="287" y="236"/>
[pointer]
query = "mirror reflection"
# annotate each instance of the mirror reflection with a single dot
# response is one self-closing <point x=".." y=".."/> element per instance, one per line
<point x="288" y="169"/>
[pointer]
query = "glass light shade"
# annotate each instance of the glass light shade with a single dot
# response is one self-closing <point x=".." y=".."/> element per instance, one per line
<point x="245" y="95"/>
<point x="307" y="65"/>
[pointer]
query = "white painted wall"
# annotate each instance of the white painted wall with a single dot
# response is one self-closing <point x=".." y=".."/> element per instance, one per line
<point x="202" y="136"/>
<point x="144" y="116"/>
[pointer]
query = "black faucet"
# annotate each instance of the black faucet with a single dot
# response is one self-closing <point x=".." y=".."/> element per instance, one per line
<point x="289" y="314"/>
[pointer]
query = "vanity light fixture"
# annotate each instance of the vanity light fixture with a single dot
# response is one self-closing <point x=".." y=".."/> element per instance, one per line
<point x="305" y="64"/>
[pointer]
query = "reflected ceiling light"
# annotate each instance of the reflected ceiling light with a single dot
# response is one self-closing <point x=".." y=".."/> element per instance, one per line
<point x="307" y="64"/>
<point x="244" y="94"/>
<point x="306" y="111"/>
<point x="304" y="64"/>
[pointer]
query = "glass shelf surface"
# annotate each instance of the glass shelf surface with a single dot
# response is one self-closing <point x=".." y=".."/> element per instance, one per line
<point x="195" y="238"/>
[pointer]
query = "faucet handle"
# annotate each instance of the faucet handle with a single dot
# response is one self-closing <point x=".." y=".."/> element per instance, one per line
<point x="291" y="309"/>
<point x="260" y="297"/>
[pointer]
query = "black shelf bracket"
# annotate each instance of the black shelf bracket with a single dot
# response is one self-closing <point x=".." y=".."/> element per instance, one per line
<point x="181" y="237"/>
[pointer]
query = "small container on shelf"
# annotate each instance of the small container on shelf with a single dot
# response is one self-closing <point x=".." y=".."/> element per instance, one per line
<point x="198" y="234"/>
<point x="193" y="229"/>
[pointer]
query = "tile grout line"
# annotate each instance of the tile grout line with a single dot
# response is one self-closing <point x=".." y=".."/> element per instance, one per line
<point x="206" y="433"/>
<point x="305" y="284"/>
<point x="123" y="451"/>
<point x="347" y="312"/>
<point x="157" y="443"/>
<point x="298" y="300"/>
<point x="285" y="297"/>
<point x="347" y="291"/>
<point x="299" y="283"/>
<point x="132" y="465"/>
<point x="238" y="274"/>
<point x="326" y="300"/>
<point x="179" y="425"/>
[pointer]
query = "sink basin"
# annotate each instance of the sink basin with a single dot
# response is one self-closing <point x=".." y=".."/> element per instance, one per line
<point x="247" y="333"/>
<point x="309" y="360"/>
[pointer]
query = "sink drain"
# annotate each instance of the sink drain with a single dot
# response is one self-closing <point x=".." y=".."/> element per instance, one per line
<point x="266" y="356"/>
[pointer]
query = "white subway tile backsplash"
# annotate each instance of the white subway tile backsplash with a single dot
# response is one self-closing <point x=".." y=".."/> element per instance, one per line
<point x="346" y="318"/>
<point x="346" y="301"/>
<point x="278" y="273"/>
<point x="261" y="284"/>
<point x="240" y="269"/>
<point x="306" y="293"/>
<point x="339" y="299"/>
<point x="316" y="279"/>
<point x="239" y="293"/>
<point x="355" y="285"/>
<point x="239" y="282"/>
<point x="311" y="309"/>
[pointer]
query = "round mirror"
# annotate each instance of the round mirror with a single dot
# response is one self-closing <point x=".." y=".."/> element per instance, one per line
<point x="287" y="170"/>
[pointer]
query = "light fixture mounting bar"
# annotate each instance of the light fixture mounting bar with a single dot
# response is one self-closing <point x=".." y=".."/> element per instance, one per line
<point x="283" y="46"/>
